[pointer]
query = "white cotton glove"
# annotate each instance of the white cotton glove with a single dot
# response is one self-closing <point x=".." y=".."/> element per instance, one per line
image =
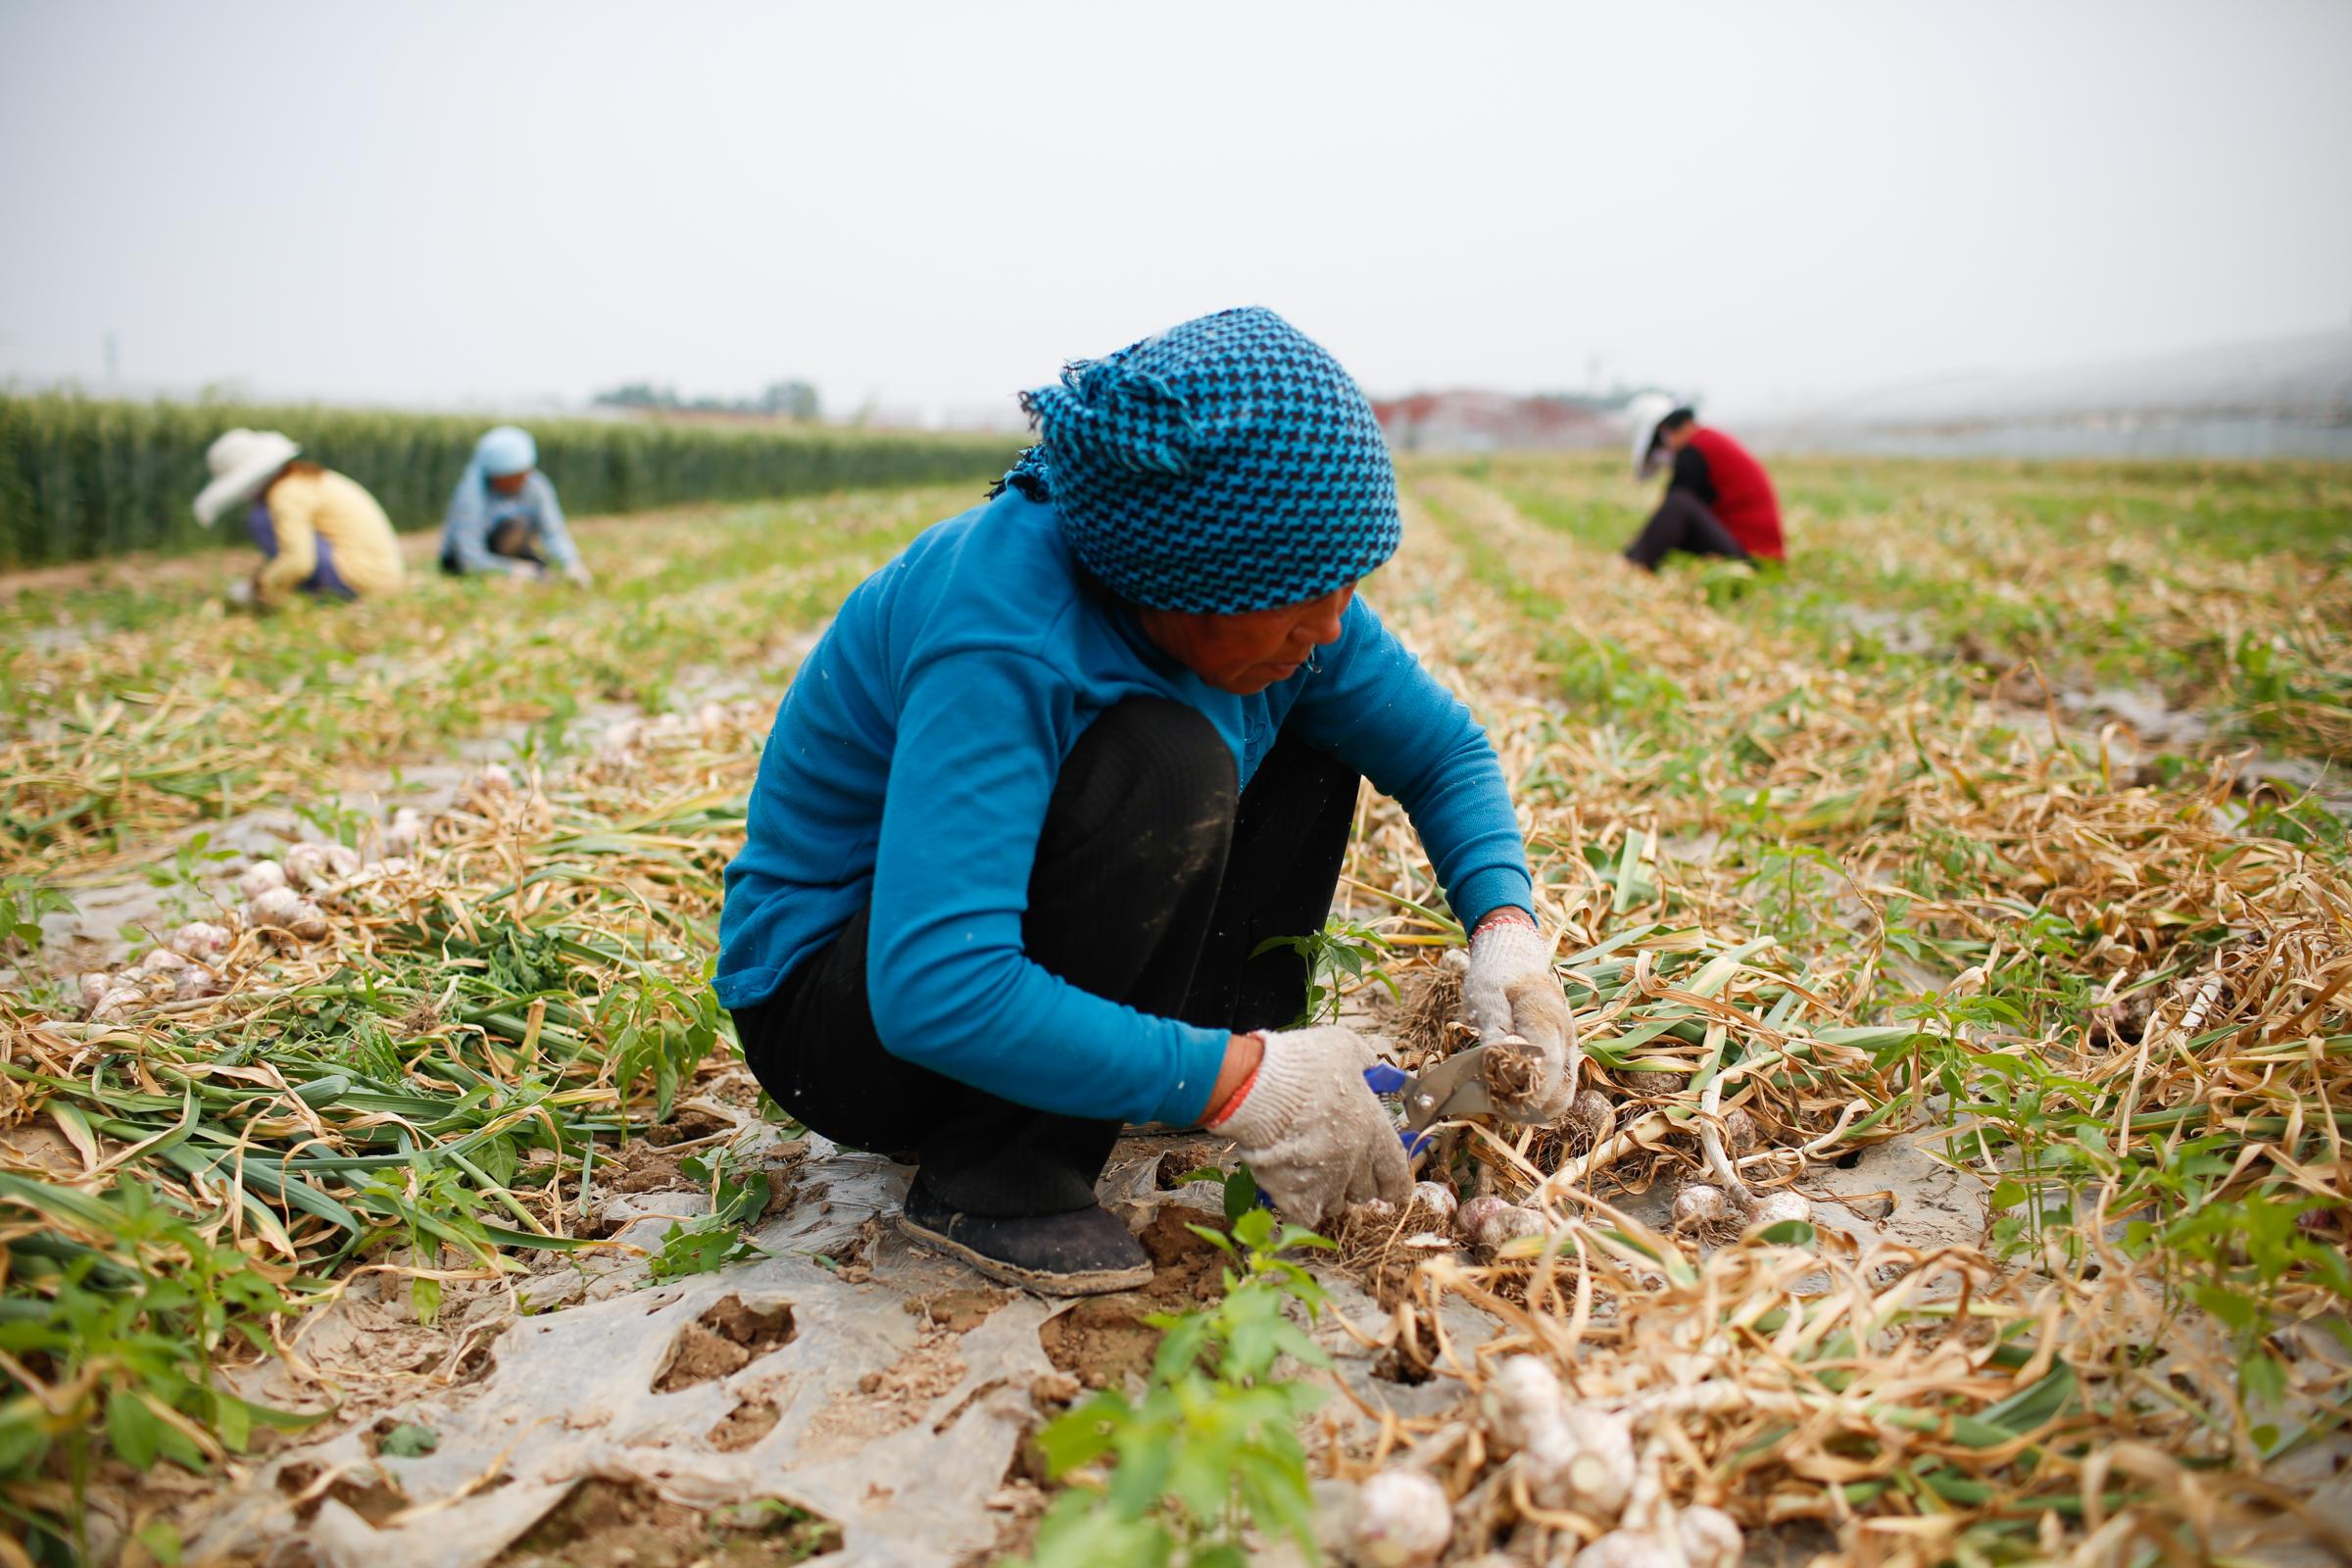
<point x="1510" y="990"/>
<point x="1312" y="1132"/>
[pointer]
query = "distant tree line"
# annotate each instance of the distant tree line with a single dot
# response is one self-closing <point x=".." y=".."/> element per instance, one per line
<point x="794" y="400"/>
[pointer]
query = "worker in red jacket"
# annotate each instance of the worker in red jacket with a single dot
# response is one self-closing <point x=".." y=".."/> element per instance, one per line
<point x="1719" y="501"/>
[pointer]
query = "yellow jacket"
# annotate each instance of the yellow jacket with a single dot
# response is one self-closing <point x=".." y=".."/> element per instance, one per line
<point x="307" y="508"/>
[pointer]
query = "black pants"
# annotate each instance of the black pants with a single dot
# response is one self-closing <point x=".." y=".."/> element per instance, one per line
<point x="1682" y="522"/>
<point x="1153" y="886"/>
<point x="512" y="538"/>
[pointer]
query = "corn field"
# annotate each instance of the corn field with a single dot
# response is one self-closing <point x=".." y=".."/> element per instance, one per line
<point x="82" y="479"/>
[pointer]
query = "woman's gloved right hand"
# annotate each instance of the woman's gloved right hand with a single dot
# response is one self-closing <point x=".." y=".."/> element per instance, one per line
<point x="1311" y="1131"/>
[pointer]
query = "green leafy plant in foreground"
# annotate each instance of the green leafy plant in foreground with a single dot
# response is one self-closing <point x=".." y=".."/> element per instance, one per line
<point x="1209" y="1452"/>
<point x="714" y="1239"/>
<point x="1343" y="951"/>
<point x="24" y="900"/>
<point x="116" y="1312"/>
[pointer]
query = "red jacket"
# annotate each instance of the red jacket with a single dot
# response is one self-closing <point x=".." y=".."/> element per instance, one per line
<point x="1744" y="498"/>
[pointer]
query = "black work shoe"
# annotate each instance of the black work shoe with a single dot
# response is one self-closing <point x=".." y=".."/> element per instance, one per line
<point x="1086" y="1252"/>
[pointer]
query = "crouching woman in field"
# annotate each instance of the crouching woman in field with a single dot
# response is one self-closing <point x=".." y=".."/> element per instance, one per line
<point x="1053" y="776"/>
<point x="504" y="515"/>
<point x="322" y="533"/>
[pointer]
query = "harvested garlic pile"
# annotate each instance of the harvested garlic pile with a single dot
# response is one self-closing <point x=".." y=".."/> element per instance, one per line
<point x="1574" y="1456"/>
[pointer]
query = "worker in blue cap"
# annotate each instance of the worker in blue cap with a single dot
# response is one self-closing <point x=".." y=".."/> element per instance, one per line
<point x="504" y="515"/>
<point x="1041" y="807"/>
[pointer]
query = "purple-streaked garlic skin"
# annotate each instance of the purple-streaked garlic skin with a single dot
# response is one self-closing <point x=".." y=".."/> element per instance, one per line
<point x="202" y="941"/>
<point x="261" y="876"/>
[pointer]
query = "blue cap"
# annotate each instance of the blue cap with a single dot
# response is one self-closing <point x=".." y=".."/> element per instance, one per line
<point x="504" y="450"/>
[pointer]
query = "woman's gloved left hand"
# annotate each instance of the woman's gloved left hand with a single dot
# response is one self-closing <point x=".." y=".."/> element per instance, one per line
<point x="1511" y="990"/>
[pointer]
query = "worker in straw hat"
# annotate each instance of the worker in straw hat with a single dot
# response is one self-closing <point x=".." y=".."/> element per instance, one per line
<point x="1719" y="500"/>
<point x="322" y="533"/>
<point x="504" y="515"/>
<point x="1037" y="803"/>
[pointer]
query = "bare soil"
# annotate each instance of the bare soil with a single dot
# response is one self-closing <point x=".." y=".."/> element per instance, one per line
<point x="724" y="1341"/>
<point x="606" y="1525"/>
<point x="891" y="1400"/>
<point x="1102" y="1339"/>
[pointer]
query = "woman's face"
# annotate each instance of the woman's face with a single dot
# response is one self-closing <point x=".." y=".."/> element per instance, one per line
<point x="1248" y="652"/>
<point x="509" y="484"/>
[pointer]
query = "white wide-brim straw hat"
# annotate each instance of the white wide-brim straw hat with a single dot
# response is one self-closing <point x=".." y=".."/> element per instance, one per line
<point x="1643" y="414"/>
<point x="242" y="461"/>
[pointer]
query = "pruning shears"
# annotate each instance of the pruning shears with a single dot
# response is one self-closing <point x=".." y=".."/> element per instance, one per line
<point x="1456" y="1087"/>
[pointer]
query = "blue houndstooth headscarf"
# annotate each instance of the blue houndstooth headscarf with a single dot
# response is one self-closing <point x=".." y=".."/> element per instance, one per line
<point x="1227" y="464"/>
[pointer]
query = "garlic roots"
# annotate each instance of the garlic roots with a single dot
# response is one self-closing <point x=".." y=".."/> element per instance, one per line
<point x="1436" y="1201"/>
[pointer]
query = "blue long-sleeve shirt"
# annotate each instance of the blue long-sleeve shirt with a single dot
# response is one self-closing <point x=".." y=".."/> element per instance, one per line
<point x="475" y="511"/>
<point x="912" y="764"/>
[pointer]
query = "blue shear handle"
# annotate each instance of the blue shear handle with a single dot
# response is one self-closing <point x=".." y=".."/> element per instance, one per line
<point x="1384" y="1079"/>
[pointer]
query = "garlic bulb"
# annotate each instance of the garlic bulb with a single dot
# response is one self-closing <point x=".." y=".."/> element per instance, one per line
<point x="1627" y="1548"/>
<point x="284" y="909"/>
<point x="1710" y="1537"/>
<point x="1740" y="1134"/>
<point x="1493" y="1221"/>
<point x="492" y="784"/>
<point x="1581" y="1460"/>
<point x="161" y="961"/>
<point x="193" y="983"/>
<point x="1436" y="1201"/>
<point x="1522" y="1395"/>
<point x="315" y="865"/>
<point x="1592" y="1121"/>
<point x="406" y="832"/>
<point x="1699" y="1205"/>
<point x="202" y="941"/>
<point x="261" y="877"/>
<point x="1779" y="1207"/>
<point x="1403" y="1520"/>
<point x="118" y="1000"/>
<point x="95" y="983"/>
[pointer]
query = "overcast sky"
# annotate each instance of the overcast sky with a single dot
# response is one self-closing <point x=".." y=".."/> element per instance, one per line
<point x="933" y="205"/>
